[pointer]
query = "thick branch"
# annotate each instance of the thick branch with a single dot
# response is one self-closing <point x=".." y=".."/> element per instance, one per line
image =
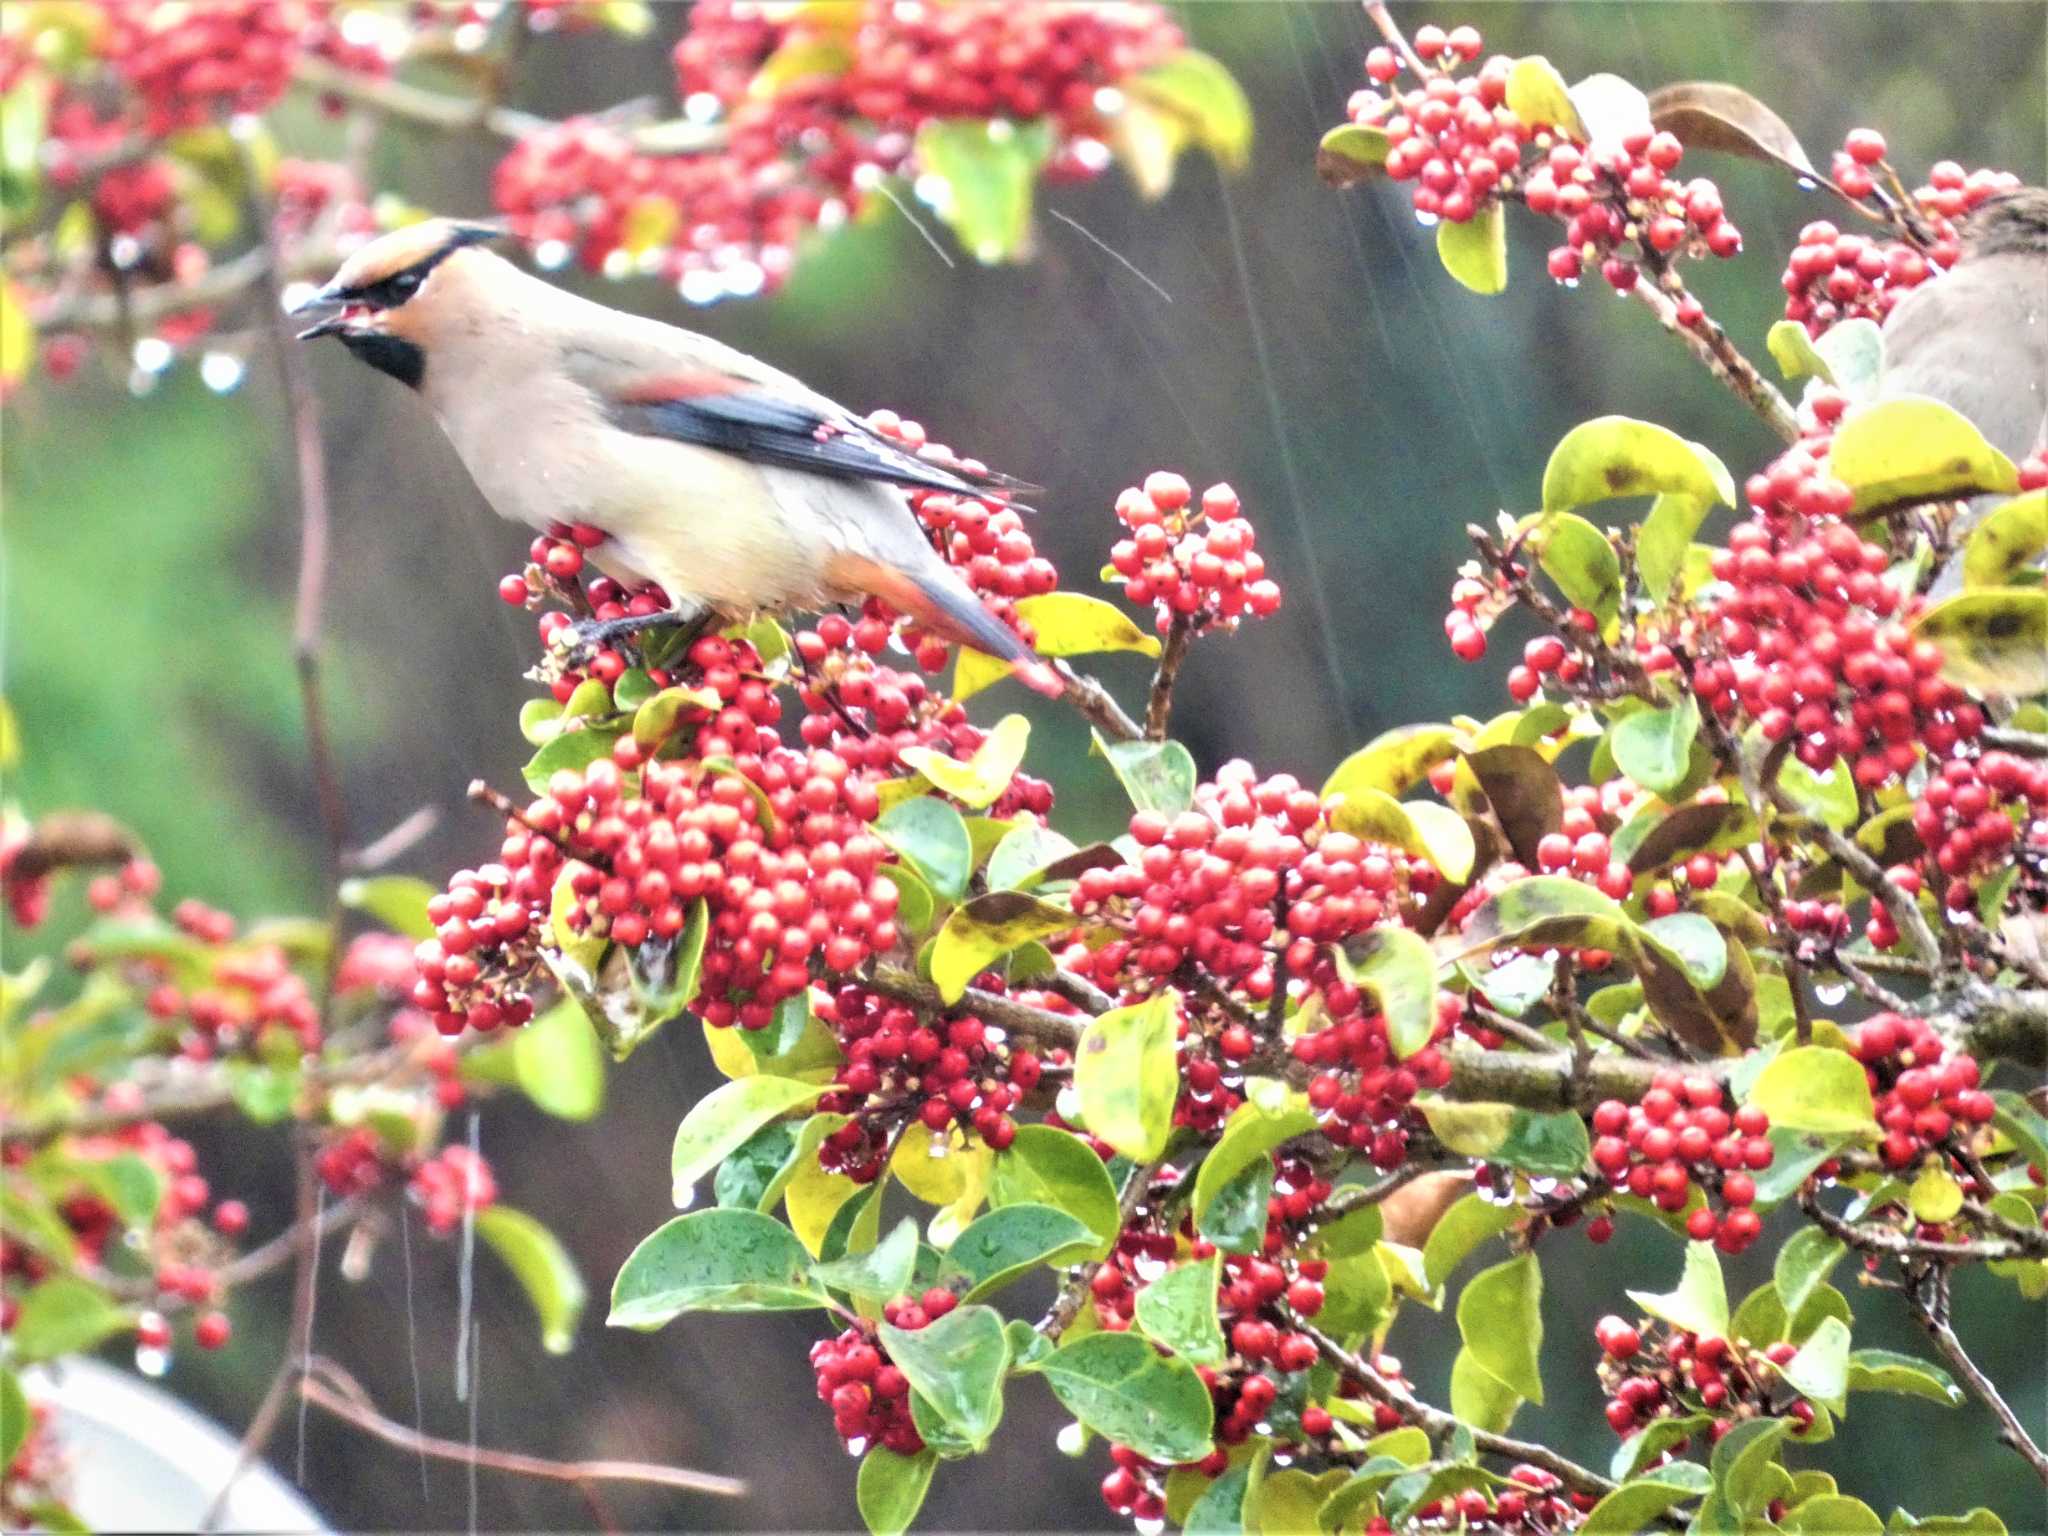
<point x="329" y="1387"/>
<point x="1097" y="705"/>
<point x="1159" y="707"/>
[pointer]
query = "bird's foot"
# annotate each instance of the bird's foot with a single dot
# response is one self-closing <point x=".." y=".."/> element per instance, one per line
<point x="580" y="642"/>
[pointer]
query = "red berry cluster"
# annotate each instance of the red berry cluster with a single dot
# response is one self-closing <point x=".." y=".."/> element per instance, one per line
<point x="1537" y="1504"/>
<point x="897" y="1069"/>
<point x="868" y="1392"/>
<point x="1196" y="566"/>
<point x="806" y="148"/>
<point x="1972" y="818"/>
<point x="1679" y="1136"/>
<point x="190" y="64"/>
<point x="1923" y="1093"/>
<point x="1832" y="276"/>
<point x="1812" y="642"/>
<point x="483" y="966"/>
<point x="1461" y="144"/>
<point x="1365" y="1096"/>
<point x="452" y="1183"/>
<point x="1669" y="1373"/>
<point x="351" y="1162"/>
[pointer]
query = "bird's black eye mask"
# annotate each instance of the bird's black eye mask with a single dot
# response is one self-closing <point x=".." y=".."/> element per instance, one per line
<point x="392" y="291"/>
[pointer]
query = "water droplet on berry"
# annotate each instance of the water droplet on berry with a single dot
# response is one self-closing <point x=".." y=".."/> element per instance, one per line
<point x="1072" y="1440"/>
<point x="221" y="371"/>
<point x="152" y="1362"/>
<point x="1830" y="993"/>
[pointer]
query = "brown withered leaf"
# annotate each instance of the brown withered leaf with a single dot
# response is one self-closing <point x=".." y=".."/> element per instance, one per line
<point x="1707" y="114"/>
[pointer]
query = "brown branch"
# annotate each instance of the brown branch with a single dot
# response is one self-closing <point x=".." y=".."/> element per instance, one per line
<point x="143" y="307"/>
<point x="1075" y="1292"/>
<point x="1041" y="1024"/>
<point x="2020" y="743"/>
<point x="330" y="1388"/>
<point x="1180" y="635"/>
<point x="1928" y="1297"/>
<point x="72" y="839"/>
<point x="1887" y="1243"/>
<point x="1710" y="344"/>
<point x="1097" y="705"/>
<point x="1438" y="1424"/>
<point x="1389" y="29"/>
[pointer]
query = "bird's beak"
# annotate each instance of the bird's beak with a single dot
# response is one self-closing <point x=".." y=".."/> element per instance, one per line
<point x="328" y="325"/>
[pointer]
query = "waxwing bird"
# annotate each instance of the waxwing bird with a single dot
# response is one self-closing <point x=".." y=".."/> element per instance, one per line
<point x="1976" y="338"/>
<point x="732" y="485"/>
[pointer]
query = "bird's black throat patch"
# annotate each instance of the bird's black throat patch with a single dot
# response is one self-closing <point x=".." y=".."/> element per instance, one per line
<point x="388" y="354"/>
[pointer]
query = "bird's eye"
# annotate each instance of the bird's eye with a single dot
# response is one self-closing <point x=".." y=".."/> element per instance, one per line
<point x="405" y="284"/>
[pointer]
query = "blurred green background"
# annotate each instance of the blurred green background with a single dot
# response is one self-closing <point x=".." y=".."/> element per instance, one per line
<point x="1306" y="347"/>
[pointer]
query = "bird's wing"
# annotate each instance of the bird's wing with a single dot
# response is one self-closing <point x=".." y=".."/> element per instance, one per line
<point x="710" y="395"/>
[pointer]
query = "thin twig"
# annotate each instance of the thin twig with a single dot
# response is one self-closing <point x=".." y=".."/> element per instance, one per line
<point x="1067" y="1305"/>
<point x="1097" y="705"/>
<point x="330" y="1388"/>
<point x="1883" y="1240"/>
<point x="1710" y="344"/>
<point x="1356" y="1197"/>
<point x="1180" y="636"/>
<point x="1928" y="1297"/>
<point x="2020" y="743"/>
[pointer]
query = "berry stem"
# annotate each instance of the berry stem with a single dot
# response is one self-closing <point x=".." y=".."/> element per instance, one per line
<point x="1159" y="707"/>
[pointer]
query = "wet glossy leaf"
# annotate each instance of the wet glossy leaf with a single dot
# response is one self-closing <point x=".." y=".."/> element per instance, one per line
<point x="1705" y="114"/>
<point x="572" y="750"/>
<point x="1178" y="1311"/>
<point x="2010" y="538"/>
<point x="1635" y="1505"/>
<point x="956" y="1363"/>
<point x="713" y="1261"/>
<point x="1250" y="1135"/>
<point x="542" y="1267"/>
<point x="1476" y="251"/>
<point x="1396" y="966"/>
<point x="1126" y="1076"/>
<point x="932" y="837"/>
<point x="891" y="1488"/>
<point x="1552" y="1145"/>
<point x="1803" y="1265"/>
<point x="1351" y="153"/>
<point x="1500" y="1318"/>
<point x="1817" y="1089"/>
<point x="1993" y="639"/>
<point x="1118" y="1385"/>
<point x="1157" y="775"/>
<point x="1884" y="1370"/>
<point x="746" y="1177"/>
<point x="1615" y="456"/>
<point x="1021" y="855"/>
<point x="1909" y="449"/>
<point x="1049" y="1166"/>
<point x="881" y="1272"/>
<point x="1235" y="1220"/>
<point x="724" y="1119"/>
<point x="1220" y="1509"/>
<point x="1460" y="1231"/>
<point x="990" y="167"/>
<point x="1654" y="746"/>
<point x="1700" y="1304"/>
<point x="980" y="932"/>
<point x="1009" y="1242"/>
<point x="656" y="717"/>
<point x="1394" y="761"/>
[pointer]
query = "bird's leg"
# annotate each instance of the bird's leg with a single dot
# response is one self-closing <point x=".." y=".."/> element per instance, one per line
<point x="584" y="639"/>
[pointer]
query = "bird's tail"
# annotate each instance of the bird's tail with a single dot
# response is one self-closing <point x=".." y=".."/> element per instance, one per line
<point x="942" y="603"/>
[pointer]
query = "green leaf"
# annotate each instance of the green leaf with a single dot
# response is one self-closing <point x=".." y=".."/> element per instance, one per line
<point x="1396" y="966"/>
<point x="1480" y="1398"/>
<point x="956" y="1363"/>
<point x="744" y="1179"/>
<point x="1023" y="853"/>
<point x="1205" y="98"/>
<point x="573" y="750"/>
<point x="1700" y="1304"/>
<point x="2021" y="1124"/>
<point x="557" y="1063"/>
<point x="981" y="780"/>
<point x="713" y="1261"/>
<point x="1616" y="456"/>
<point x="1653" y="1440"/>
<point x="1636" y="1504"/>
<point x="1853" y="351"/>
<point x="1803" y="1265"/>
<point x="654" y="718"/>
<point x="399" y="902"/>
<point x="891" y="1488"/>
<point x="1581" y="560"/>
<point x="1476" y="251"/>
<point x="1910" y="449"/>
<point x="1654" y="746"/>
<point x="1742" y="1459"/>
<point x="725" y="1118"/>
<point x="1178" y="1311"/>
<point x="1157" y="775"/>
<point x="1048" y="1166"/>
<point x="1249" y="1136"/>
<point x="1536" y="93"/>
<point x="1793" y="351"/>
<point x="1978" y="1522"/>
<point x="542" y="1267"/>
<point x="1236" y="1218"/>
<point x="932" y="837"/>
<point x="1993" y="640"/>
<point x="1420" y="827"/>
<point x="65" y="1316"/>
<point x="1220" y="1509"/>
<point x="2011" y="536"/>
<point x="23" y="113"/>
<point x="980" y="932"/>
<point x="13" y="1417"/>
<point x="1549" y="1145"/>
<point x="1821" y="1368"/>
<point x="1885" y="1370"/>
<point x="882" y="1272"/>
<point x="1834" y="1515"/>
<point x="1935" y="1196"/>
<point x="1127" y="1077"/>
<point x="1667" y="837"/>
<point x="1500" y="1318"/>
<point x="1122" y="1388"/>
<point x="1007" y="1243"/>
<point x="1460" y="1230"/>
<point x="989" y="167"/>
<point x="1393" y="762"/>
<point x="1815" y="1088"/>
<point x="1351" y="153"/>
<point x="1521" y="789"/>
<point x="805" y="60"/>
<point x="1662" y="539"/>
<point x="1698" y="944"/>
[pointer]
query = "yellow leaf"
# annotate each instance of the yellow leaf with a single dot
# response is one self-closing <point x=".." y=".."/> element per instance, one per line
<point x="1911" y="449"/>
<point x="1993" y="639"/>
<point x="1537" y="94"/>
<point x="2003" y="544"/>
<point x="17" y="336"/>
